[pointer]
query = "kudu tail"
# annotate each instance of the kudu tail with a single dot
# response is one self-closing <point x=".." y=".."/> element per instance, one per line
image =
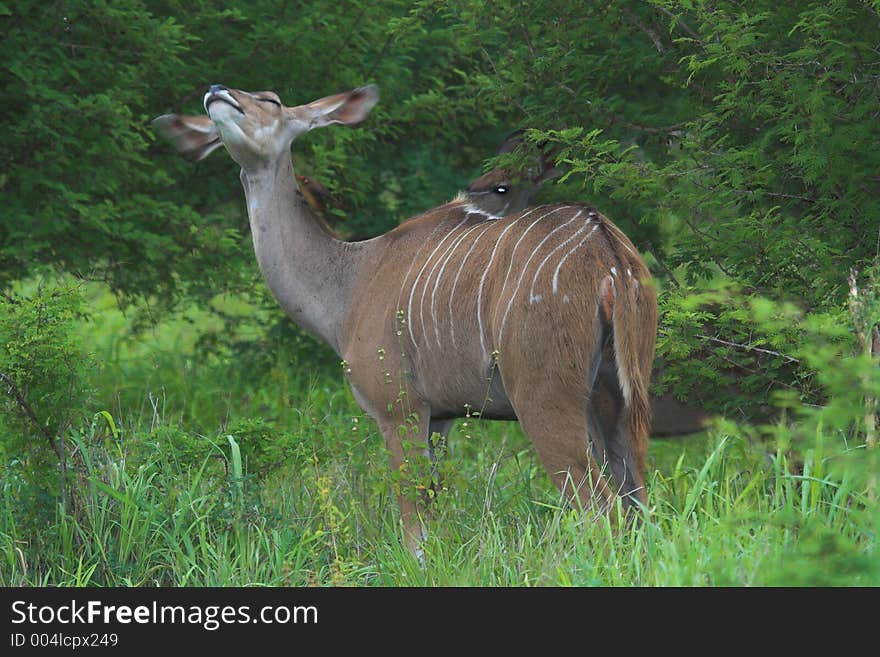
<point x="633" y="320"/>
<point x="631" y="310"/>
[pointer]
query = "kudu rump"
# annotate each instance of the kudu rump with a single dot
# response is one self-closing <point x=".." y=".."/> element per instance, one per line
<point x="519" y="317"/>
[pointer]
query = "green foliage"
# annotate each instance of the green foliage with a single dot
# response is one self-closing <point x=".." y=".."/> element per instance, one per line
<point x="175" y="444"/>
<point x="311" y="501"/>
<point x="738" y="352"/>
<point x="725" y="140"/>
<point x="44" y="391"/>
<point x="719" y="516"/>
<point x="43" y="362"/>
<point x="82" y="190"/>
<point x="263" y="445"/>
<point x="89" y="192"/>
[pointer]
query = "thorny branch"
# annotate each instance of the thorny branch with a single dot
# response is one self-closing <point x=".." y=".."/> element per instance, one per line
<point x="663" y="266"/>
<point x="679" y="22"/>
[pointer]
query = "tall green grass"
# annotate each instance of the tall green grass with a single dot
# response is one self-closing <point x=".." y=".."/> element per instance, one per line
<point x="723" y="520"/>
<point x="202" y="474"/>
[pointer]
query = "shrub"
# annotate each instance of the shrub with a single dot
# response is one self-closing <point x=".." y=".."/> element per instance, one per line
<point x="44" y="369"/>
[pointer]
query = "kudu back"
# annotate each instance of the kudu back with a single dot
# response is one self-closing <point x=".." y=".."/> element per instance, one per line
<point x="518" y="317"/>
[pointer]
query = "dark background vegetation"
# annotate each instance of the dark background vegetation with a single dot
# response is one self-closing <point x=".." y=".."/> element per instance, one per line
<point x="734" y="142"/>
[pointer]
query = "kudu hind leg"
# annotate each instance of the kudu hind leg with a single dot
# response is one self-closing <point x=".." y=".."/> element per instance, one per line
<point x="561" y="439"/>
<point x="626" y="456"/>
<point x="624" y="452"/>
<point x="624" y="444"/>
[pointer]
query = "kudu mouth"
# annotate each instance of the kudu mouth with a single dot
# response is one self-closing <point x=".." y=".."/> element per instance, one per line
<point x="219" y="93"/>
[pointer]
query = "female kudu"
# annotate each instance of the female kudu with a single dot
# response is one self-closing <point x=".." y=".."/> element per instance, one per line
<point x="519" y="316"/>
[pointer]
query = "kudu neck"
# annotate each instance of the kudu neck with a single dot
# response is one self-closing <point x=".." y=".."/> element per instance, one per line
<point x="310" y="273"/>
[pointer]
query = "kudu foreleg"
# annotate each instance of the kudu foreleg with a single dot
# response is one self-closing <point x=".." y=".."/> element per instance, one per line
<point x="408" y="444"/>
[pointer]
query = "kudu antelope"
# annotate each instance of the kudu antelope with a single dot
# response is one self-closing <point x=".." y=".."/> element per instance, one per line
<point x="517" y="317"/>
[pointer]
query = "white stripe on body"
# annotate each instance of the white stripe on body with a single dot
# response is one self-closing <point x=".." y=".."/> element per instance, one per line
<point x="483" y="280"/>
<point x="565" y="257"/>
<point x="512" y="258"/>
<point x="532" y="297"/>
<point x="413" y="263"/>
<point x="458" y="241"/>
<point x="416" y="282"/>
<point x="457" y="274"/>
<point x="522" y="276"/>
<point x="431" y="273"/>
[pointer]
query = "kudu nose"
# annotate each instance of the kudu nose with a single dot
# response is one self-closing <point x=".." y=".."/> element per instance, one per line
<point x="215" y="88"/>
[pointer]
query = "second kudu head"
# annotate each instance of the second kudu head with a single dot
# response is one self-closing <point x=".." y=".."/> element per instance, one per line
<point x="503" y="191"/>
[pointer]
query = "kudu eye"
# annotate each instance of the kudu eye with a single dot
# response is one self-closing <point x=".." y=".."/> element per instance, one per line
<point x="501" y="189"/>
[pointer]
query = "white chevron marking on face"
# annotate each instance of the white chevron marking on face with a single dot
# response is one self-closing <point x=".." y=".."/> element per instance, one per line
<point x="472" y="209"/>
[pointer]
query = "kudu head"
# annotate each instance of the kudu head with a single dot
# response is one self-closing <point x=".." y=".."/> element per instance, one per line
<point x="501" y="191"/>
<point x="256" y="128"/>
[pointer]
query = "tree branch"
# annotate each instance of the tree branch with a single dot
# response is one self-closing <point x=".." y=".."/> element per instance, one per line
<point x="679" y="22"/>
<point x="663" y="266"/>
<point x="777" y="382"/>
<point x="745" y="347"/>
<point x="652" y="34"/>
<point x="14" y="392"/>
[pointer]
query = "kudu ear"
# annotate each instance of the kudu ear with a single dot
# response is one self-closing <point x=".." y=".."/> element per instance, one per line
<point x="511" y="142"/>
<point x="195" y="137"/>
<point x="545" y="165"/>
<point x="346" y="108"/>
